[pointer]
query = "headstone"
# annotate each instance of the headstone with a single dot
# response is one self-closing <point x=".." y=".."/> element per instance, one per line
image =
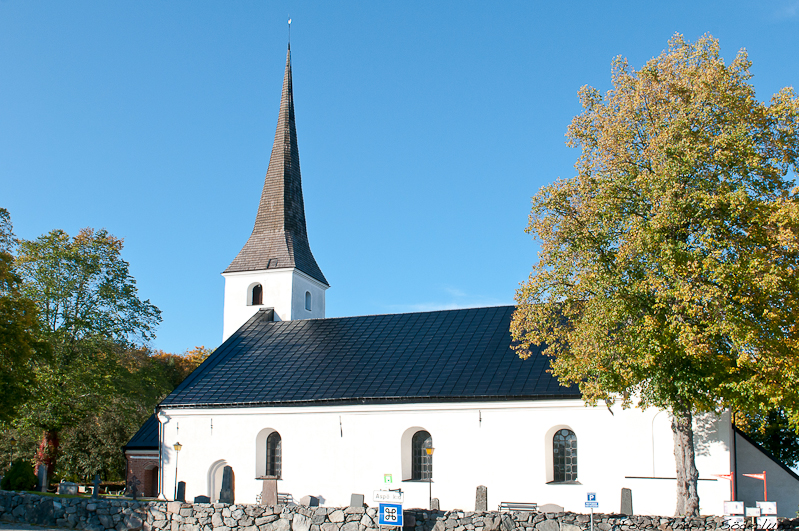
<point x="133" y="486"/>
<point x="269" y="492"/>
<point x="202" y="499"/>
<point x="434" y="505"/>
<point x="481" y="500"/>
<point x="42" y="476"/>
<point x="226" y="494"/>
<point x="181" y="492"/>
<point x="550" y="508"/>
<point x="96" y="490"/>
<point x="68" y="488"/>
<point x="310" y="501"/>
<point x="626" y="502"/>
<point x="356" y="500"/>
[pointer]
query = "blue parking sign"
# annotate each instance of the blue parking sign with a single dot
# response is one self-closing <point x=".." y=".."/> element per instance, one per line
<point x="390" y="514"/>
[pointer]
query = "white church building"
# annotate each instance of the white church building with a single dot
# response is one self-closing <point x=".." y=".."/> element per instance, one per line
<point x="432" y="403"/>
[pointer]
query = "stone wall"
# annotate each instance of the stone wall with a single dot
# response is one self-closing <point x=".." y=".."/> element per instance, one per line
<point x="102" y="515"/>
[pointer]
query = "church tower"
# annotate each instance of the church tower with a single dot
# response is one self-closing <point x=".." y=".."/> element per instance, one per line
<point x="275" y="268"/>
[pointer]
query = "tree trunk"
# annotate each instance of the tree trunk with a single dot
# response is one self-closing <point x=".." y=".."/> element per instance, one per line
<point x="48" y="451"/>
<point x="685" y="458"/>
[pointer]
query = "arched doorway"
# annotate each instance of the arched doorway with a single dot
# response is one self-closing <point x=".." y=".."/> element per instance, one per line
<point x="215" y="474"/>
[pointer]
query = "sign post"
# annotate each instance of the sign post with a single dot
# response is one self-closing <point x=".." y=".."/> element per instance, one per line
<point x="591" y="503"/>
<point x="761" y="477"/>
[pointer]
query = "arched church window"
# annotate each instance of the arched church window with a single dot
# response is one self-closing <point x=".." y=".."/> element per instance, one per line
<point x="273" y="455"/>
<point x="308" y="300"/>
<point x="564" y="448"/>
<point x="421" y="461"/>
<point x="257" y="295"/>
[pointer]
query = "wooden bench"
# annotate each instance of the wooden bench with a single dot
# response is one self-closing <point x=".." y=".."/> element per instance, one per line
<point x="518" y="506"/>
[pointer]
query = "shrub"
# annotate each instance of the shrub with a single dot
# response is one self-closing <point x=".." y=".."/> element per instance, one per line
<point x="19" y="477"/>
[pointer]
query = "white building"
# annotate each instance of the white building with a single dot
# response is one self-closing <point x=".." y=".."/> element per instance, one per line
<point x="331" y="407"/>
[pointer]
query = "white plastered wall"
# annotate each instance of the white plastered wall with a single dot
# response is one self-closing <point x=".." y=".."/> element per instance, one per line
<point x="283" y="289"/>
<point x="334" y="451"/>
<point x="783" y="486"/>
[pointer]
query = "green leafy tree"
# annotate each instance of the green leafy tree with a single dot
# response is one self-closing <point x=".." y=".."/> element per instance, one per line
<point x="19" y="328"/>
<point x="19" y="477"/>
<point x="773" y="431"/>
<point x="669" y="265"/>
<point x="91" y="315"/>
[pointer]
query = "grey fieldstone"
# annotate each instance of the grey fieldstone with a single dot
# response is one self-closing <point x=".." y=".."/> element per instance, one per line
<point x="337" y="516"/>
<point x="281" y="524"/>
<point x="569" y="527"/>
<point x="547" y="525"/>
<point x="329" y="527"/>
<point x="301" y="523"/>
<point x="261" y="520"/>
<point x="216" y="520"/>
<point x="132" y="521"/>
<point x="350" y="526"/>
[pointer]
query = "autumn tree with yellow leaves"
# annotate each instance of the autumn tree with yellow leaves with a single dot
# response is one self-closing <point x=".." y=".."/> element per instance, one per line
<point x="668" y="271"/>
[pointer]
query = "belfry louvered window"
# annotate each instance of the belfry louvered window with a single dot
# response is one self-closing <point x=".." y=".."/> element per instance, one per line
<point x="422" y="462"/>
<point x="564" y="448"/>
<point x="273" y="457"/>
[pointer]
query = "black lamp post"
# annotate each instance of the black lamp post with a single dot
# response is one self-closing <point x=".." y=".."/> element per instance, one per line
<point x="177" y="446"/>
<point x="430" y="479"/>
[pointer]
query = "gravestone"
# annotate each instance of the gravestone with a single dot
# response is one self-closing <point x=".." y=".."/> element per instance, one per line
<point x="269" y="492"/>
<point x="96" y="489"/>
<point x="202" y="499"/>
<point x="181" y="492"/>
<point x="626" y="502"/>
<point x="550" y="508"/>
<point x="310" y="501"/>
<point x="481" y="501"/>
<point x="68" y="488"/>
<point x="42" y="476"/>
<point x="434" y="505"/>
<point x="227" y="494"/>
<point x="356" y="500"/>
<point x="133" y="486"/>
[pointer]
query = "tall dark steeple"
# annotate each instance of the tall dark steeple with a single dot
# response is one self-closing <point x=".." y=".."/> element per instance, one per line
<point x="279" y="238"/>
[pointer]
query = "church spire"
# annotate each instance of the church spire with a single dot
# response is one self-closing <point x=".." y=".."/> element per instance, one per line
<point x="279" y="239"/>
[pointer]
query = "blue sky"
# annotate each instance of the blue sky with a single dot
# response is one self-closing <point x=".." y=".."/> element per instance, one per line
<point x="424" y="129"/>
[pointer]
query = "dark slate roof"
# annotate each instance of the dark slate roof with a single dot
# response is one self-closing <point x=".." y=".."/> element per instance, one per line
<point x="454" y="355"/>
<point x="146" y="438"/>
<point x="279" y="238"/>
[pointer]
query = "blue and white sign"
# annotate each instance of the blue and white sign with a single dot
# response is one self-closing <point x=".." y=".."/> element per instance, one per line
<point x="390" y="514"/>
<point x="591" y="503"/>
